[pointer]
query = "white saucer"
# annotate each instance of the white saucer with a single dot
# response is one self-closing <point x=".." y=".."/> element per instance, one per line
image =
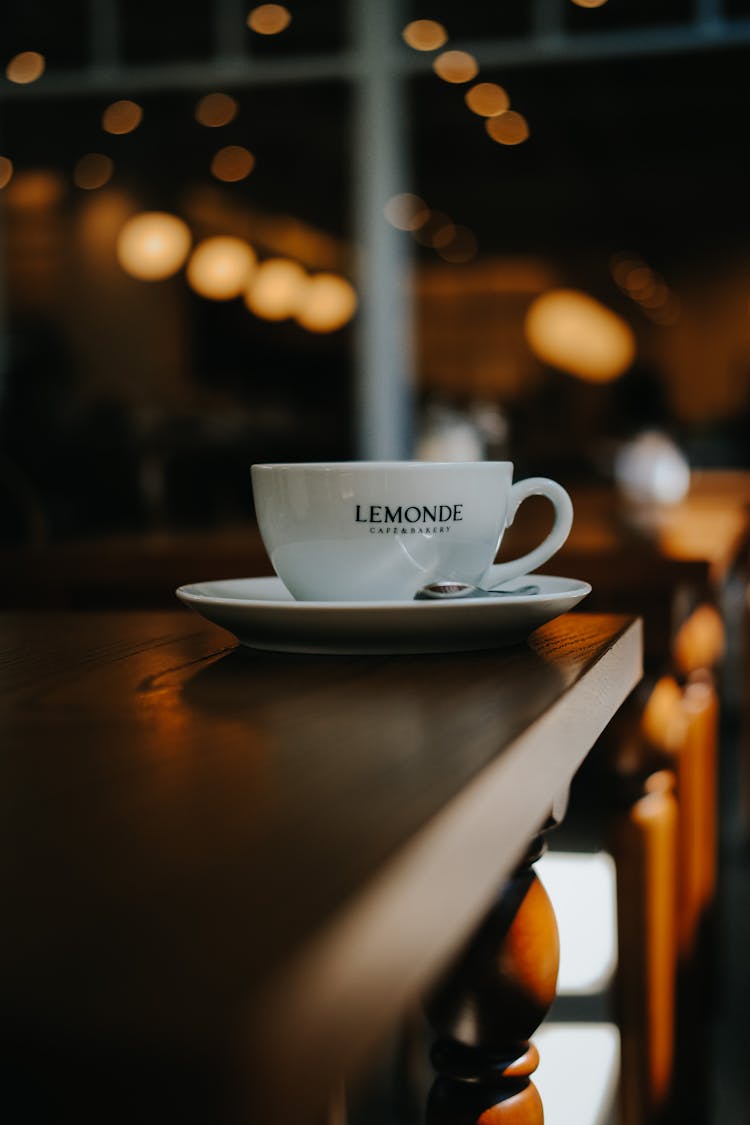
<point x="263" y="614"/>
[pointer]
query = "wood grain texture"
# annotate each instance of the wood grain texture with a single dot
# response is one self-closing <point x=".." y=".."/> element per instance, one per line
<point x="211" y="854"/>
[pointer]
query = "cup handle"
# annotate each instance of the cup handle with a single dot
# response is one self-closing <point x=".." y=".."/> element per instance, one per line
<point x="561" y="502"/>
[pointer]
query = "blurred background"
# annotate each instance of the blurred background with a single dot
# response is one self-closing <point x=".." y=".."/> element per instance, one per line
<point x="341" y="229"/>
<point x="336" y="230"/>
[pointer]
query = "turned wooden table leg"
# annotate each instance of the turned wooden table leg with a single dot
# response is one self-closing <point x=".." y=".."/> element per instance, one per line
<point x="487" y="1006"/>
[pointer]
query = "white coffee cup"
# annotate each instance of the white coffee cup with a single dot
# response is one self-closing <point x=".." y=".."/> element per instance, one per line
<point x="380" y="530"/>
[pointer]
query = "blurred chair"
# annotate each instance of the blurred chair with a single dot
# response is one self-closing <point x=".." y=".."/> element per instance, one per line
<point x="664" y="842"/>
<point x="662" y="868"/>
<point x="644" y="846"/>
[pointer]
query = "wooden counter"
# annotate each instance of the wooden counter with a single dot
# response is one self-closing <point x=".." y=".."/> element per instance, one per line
<point x="226" y="873"/>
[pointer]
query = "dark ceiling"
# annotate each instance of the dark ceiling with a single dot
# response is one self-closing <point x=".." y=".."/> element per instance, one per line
<point x="644" y="152"/>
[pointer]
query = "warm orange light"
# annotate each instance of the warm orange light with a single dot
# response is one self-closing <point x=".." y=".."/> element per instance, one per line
<point x="35" y="189"/>
<point x="662" y="721"/>
<point x="487" y="99"/>
<point x="425" y="35"/>
<point x="570" y="330"/>
<point x="328" y="303"/>
<point x="232" y="163"/>
<point x="622" y="264"/>
<point x="436" y="231"/>
<point x="220" y="268"/>
<point x="406" y="211"/>
<point x="122" y="117"/>
<point x="589" y="3"/>
<point x="276" y="289"/>
<point x="269" y="19"/>
<point x="510" y="128"/>
<point x="25" y="67"/>
<point x="215" y="110"/>
<point x="153" y="245"/>
<point x="93" y="171"/>
<point x="456" y="66"/>
<point x="700" y="640"/>
<point x="657" y="297"/>
<point x="461" y="248"/>
<point x="6" y="171"/>
<point x="640" y="282"/>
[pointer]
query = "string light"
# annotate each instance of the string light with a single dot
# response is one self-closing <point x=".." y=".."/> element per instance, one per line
<point x="510" y="128"/>
<point x="456" y="66"/>
<point x="220" y="268"/>
<point x="232" y="163"/>
<point x="438" y="230"/>
<point x="621" y="264"/>
<point x="461" y="248"/>
<point x="424" y="35"/>
<point x="122" y="117"/>
<point x="573" y="331"/>
<point x="328" y="303"/>
<point x="269" y="19"/>
<point x="487" y="99"/>
<point x="637" y="280"/>
<point x="406" y="211"/>
<point x="215" y="110"/>
<point x="276" y="289"/>
<point x="25" y="67"/>
<point x="93" y="171"/>
<point x="153" y="245"/>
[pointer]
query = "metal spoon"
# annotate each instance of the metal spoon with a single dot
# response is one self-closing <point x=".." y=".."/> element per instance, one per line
<point x="446" y="591"/>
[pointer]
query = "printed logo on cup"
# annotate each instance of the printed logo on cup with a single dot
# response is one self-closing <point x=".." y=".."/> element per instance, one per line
<point x="409" y="519"/>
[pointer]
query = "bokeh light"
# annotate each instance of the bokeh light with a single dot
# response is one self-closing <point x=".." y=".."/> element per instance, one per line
<point x="487" y="99"/>
<point x="276" y="289"/>
<point x="571" y="330"/>
<point x="269" y="19"/>
<point x="657" y="297"/>
<point x="668" y="313"/>
<point x="456" y="66"/>
<point x="25" y="67"/>
<point x="425" y="35"/>
<point x="215" y="110"/>
<point x="35" y="189"/>
<point x="406" y="211"/>
<point x="328" y="303"/>
<point x="589" y="3"/>
<point x="462" y="247"/>
<point x="640" y="282"/>
<point x="6" y="171"/>
<point x="622" y="264"/>
<point x="651" y="469"/>
<point x="93" y="171"/>
<point x="153" y="245"/>
<point x="510" y="128"/>
<point x="662" y="721"/>
<point x="700" y="640"/>
<point x="220" y="268"/>
<point x="232" y="163"/>
<point x="437" y="230"/>
<point x="122" y="117"/>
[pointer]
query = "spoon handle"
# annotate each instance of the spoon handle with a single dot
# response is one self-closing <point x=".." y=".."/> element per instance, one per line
<point x="532" y="589"/>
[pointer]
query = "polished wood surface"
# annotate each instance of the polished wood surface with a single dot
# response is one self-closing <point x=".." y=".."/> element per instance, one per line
<point x="486" y="1006"/>
<point x="234" y="866"/>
